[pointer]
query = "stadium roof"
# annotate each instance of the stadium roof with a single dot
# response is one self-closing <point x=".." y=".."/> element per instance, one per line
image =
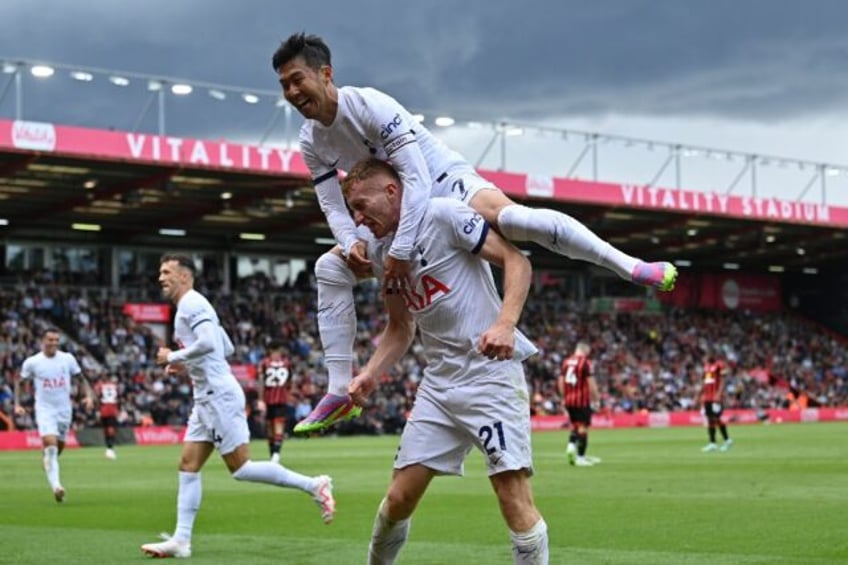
<point x="132" y="194"/>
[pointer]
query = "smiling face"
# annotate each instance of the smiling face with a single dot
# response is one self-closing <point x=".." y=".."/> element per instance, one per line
<point x="50" y="343"/>
<point x="311" y="91"/>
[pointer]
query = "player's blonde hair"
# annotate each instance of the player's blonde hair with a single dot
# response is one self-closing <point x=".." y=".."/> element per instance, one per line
<point x="366" y="169"/>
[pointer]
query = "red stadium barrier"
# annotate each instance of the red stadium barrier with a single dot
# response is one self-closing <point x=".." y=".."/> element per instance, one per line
<point x="158" y="435"/>
<point x="693" y="418"/>
<point x="165" y="435"/>
<point x="152" y="435"/>
<point x="29" y="439"/>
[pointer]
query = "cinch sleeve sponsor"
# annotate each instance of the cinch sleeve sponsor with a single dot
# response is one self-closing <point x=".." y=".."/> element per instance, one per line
<point x="388" y="123"/>
<point x="469" y="229"/>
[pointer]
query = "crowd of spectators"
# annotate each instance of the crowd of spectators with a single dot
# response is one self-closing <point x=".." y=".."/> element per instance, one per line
<point x="642" y="361"/>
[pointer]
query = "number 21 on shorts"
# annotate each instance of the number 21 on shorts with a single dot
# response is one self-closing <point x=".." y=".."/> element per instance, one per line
<point x="488" y="433"/>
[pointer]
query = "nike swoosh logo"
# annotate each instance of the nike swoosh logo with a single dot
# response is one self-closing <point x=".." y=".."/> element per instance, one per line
<point x="334" y="163"/>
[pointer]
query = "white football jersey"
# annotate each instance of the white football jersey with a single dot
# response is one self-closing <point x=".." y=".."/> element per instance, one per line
<point x="52" y="379"/>
<point x="454" y="298"/>
<point x="210" y="372"/>
<point x="370" y="123"/>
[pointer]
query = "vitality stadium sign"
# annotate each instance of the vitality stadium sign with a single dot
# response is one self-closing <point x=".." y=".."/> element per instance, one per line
<point x="167" y="150"/>
<point x="670" y="200"/>
<point x="27" y="136"/>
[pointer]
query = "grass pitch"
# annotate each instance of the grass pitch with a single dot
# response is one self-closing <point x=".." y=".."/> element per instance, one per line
<point x="780" y="496"/>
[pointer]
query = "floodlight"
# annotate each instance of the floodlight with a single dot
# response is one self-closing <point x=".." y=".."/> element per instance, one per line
<point x="42" y="71"/>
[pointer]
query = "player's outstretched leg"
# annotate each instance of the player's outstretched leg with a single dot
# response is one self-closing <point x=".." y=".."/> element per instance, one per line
<point x="323" y="497"/>
<point x="320" y="487"/>
<point x="337" y="328"/>
<point x="660" y="275"/>
<point x="564" y="235"/>
<point x="331" y="409"/>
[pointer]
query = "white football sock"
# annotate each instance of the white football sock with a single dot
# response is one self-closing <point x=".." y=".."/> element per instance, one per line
<point x="564" y="235"/>
<point x="531" y="547"/>
<point x="387" y="538"/>
<point x="273" y="474"/>
<point x="336" y="319"/>
<point x="188" y="504"/>
<point x="51" y="465"/>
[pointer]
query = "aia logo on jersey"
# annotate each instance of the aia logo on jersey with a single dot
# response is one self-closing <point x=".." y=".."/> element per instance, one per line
<point x="388" y="128"/>
<point x="54" y="383"/>
<point x="470" y="224"/>
<point x="431" y="288"/>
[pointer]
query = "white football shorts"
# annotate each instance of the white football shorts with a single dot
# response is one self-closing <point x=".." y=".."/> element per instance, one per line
<point x="461" y="187"/>
<point x="52" y="422"/>
<point x="219" y="420"/>
<point x="493" y="416"/>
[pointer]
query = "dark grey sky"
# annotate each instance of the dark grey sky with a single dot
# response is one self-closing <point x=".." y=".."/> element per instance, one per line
<point x="694" y="69"/>
<point x="748" y="59"/>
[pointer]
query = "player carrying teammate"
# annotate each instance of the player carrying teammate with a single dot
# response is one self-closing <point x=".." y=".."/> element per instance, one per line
<point x="473" y="393"/>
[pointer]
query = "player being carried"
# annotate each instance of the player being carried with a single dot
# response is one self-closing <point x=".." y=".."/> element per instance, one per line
<point x="347" y="124"/>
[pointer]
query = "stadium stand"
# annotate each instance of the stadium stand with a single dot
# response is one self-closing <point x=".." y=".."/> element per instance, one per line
<point x="644" y="361"/>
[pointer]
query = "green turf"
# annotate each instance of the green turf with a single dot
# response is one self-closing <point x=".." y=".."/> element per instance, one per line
<point x="779" y="496"/>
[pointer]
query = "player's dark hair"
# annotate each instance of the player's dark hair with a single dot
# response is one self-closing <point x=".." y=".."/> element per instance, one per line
<point x="275" y="345"/>
<point x="181" y="260"/>
<point x="367" y="168"/>
<point x="312" y="48"/>
<point x="51" y="330"/>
